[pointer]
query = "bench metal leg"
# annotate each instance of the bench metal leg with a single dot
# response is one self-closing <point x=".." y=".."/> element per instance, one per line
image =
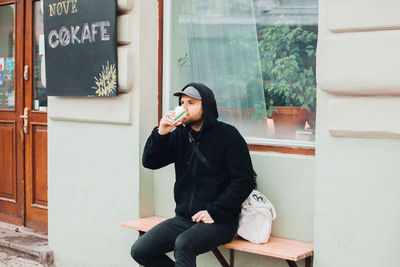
<point x="220" y="258"/>
<point x="291" y="263"/>
<point x="232" y="255"/>
<point x="308" y="261"/>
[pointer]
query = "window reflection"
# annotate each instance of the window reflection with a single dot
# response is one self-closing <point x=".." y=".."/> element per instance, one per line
<point x="7" y="58"/>
<point x="39" y="88"/>
<point x="259" y="58"/>
<point x="287" y="36"/>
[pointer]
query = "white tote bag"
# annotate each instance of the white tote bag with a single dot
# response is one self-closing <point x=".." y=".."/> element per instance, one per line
<point x="256" y="218"/>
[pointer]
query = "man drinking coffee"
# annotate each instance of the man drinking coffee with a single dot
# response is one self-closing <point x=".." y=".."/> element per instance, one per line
<point x="208" y="200"/>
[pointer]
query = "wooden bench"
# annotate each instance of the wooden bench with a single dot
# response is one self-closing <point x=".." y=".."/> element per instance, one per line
<point x="289" y="250"/>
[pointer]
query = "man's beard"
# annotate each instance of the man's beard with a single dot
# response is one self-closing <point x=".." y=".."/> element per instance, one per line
<point x="191" y="122"/>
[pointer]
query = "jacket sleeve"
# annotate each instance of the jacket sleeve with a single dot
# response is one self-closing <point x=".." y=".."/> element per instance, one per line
<point x="228" y="205"/>
<point x="158" y="151"/>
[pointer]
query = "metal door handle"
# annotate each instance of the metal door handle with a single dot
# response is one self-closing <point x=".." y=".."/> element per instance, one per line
<point x="26" y="72"/>
<point x="25" y="117"/>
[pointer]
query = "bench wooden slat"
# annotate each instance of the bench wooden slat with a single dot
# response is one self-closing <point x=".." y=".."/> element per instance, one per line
<point x="143" y="224"/>
<point x="276" y="247"/>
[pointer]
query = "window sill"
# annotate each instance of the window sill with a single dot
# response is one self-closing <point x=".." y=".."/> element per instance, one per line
<point x="281" y="146"/>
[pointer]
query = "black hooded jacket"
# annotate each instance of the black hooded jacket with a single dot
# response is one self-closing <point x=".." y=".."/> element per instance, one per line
<point x="197" y="187"/>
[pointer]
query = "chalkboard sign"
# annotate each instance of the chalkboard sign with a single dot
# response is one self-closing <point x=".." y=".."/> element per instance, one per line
<point x="81" y="47"/>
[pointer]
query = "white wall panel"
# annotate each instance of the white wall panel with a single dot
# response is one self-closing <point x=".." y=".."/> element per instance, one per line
<point x="356" y="15"/>
<point x="125" y="68"/>
<point x="124" y="32"/>
<point x="364" y="116"/>
<point x="124" y="5"/>
<point x="365" y="63"/>
<point x="115" y="110"/>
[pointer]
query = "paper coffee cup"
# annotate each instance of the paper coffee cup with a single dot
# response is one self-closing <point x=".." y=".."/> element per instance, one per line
<point x="180" y="113"/>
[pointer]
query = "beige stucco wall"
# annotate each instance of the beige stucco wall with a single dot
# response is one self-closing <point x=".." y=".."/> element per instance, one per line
<point x="95" y="177"/>
<point x="357" y="185"/>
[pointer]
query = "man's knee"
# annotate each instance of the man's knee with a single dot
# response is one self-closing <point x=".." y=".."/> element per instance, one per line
<point x="183" y="243"/>
<point x="138" y="253"/>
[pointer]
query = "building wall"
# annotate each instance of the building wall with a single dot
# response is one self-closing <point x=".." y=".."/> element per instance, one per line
<point x="95" y="176"/>
<point x="357" y="185"/>
<point x="93" y="185"/>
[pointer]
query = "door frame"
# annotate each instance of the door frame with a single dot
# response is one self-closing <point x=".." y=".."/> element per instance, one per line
<point x="13" y="116"/>
<point x="35" y="211"/>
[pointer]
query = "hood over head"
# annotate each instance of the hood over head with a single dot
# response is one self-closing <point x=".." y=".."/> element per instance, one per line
<point x="210" y="112"/>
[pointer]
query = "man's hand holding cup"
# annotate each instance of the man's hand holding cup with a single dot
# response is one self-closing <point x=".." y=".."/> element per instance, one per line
<point x="170" y="120"/>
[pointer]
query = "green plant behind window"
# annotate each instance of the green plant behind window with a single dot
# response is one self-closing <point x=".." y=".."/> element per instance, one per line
<point x="287" y="57"/>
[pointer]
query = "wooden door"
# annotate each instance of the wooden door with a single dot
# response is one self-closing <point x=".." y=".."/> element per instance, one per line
<point x="23" y="115"/>
<point x="36" y="107"/>
<point x="11" y="108"/>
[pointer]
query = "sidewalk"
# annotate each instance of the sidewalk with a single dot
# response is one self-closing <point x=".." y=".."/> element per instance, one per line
<point x="10" y="258"/>
<point x="23" y="247"/>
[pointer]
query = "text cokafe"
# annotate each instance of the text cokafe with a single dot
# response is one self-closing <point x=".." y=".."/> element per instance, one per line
<point x="75" y="34"/>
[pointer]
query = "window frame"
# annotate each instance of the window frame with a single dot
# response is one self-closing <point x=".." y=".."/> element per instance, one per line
<point x="277" y="147"/>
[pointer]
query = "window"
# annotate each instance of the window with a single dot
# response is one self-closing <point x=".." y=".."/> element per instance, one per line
<point x="7" y="56"/>
<point x="258" y="56"/>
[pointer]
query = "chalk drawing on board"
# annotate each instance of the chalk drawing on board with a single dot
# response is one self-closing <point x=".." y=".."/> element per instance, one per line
<point x="106" y="83"/>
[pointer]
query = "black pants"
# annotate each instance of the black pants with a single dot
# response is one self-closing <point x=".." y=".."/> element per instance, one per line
<point x="186" y="238"/>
